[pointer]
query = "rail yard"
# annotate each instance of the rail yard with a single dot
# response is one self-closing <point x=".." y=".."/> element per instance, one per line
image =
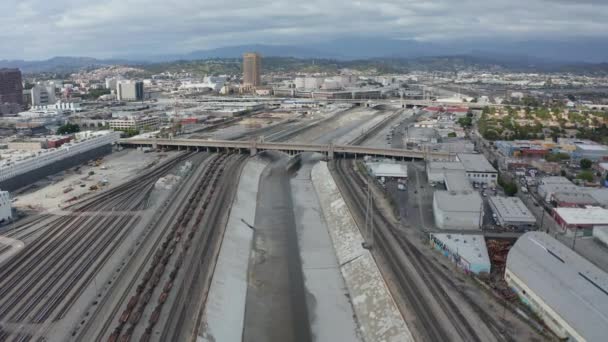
<point x="138" y="260"/>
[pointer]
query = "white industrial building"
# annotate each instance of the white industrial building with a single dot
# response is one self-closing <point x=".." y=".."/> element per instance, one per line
<point x="511" y="211"/>
<point x="478" y="168"/>
<point x="22" y="163"/>
<point x="457" y="210"/>
<point x="469" y="252"/>
<point x="436" y="171"/>
<point x="566" y="291"/>
<point x="387" y="170"/>
<point x="6" y="213"/>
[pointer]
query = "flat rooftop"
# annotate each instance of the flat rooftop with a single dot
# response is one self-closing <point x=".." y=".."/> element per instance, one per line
<point x="388" y="169"/>
<point x="475" y="162"/>
<point x="512" y="209"/>
<point x="570" y="285"/>
<point x="469" y="201"/>
<point x="471" y="247"/>
<point x="589" y="147"/>
<point x="439" y="165"/>
<point x="457" y="181"/>
<point x="583" y="216"/>
<point x="555" y="180"/>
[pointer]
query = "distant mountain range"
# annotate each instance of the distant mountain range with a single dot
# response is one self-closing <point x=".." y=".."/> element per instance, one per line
<point x="591" y="50"/>
<point x="529" y="55"/>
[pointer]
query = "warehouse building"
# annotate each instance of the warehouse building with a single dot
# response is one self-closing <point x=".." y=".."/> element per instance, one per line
<point x="478" y="168"/>
<point x="387" y="170"/>
<point x="511" y="211"/>
<point x="567" y="292"/>
<point x="573" y="199"/>
<point x="457" y="210"/>
<point x="580" y="220"/>
<point x="468" y="252"/>
<point x="593" y="152"/>
<point x="547" y="186"/>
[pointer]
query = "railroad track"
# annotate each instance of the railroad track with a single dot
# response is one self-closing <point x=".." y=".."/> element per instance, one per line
<point x="85" y="331"/>
<point x="57" y="266"/>
<point x="396" y="249"/>
<point x="167" y="260"/>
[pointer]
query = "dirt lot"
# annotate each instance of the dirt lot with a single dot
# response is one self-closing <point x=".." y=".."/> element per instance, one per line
<point x="57" y="190"/>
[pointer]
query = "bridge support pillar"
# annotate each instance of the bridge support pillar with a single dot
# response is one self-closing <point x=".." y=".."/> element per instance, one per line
<point x="330" y="152"/>
<point x="253" y="149"/>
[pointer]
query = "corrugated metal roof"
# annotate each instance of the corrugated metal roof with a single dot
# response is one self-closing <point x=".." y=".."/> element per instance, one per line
<point x="573" y="287"/>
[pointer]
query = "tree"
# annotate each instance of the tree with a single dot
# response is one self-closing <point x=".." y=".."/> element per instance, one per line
<point x="465" y="121"/>
<point x="557" y="157"/>
<point x="586" y="164"/>
<point x="68" y="128"/>
<point x="510" y="189"/>
<point x="585" y="175"/>
<point x="451" y="135"/>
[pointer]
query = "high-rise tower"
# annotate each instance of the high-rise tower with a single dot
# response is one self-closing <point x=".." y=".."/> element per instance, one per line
<point x="252" y="69"/>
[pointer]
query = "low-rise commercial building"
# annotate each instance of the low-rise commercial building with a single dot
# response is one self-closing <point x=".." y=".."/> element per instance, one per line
<point x="566" y="291"/>
<point x="511" y="211"/>
<point x="135" y="123"/>
<point x="579" y="199"/>
<point x="478" y="168"/>
<point x="580" y="220"/>
<point x="469" y="252"/>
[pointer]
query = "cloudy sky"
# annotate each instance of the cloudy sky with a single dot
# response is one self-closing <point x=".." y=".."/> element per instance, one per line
<point x="36" y="29"/>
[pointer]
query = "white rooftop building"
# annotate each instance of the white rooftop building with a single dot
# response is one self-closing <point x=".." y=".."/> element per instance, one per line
<point x="388" y="170"/>
<point x="478" y="168"/>
<point x="469" y="252"/>
<point x="457" y="210"/>
<point x="568" y="292"/>
<point x="436" y="170"/>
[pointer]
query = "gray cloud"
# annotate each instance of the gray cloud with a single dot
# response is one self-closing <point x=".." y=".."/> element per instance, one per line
<point x="41" y="28"/>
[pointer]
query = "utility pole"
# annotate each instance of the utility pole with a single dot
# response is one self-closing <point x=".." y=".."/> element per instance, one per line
<point x="369" y="216"/>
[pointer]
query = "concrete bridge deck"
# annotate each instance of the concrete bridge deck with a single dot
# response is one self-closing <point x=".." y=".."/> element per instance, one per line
<point x="253" y="147"/>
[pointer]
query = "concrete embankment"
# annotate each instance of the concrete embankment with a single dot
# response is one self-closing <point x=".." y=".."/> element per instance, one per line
<point x="332" y="317"/>
<point x="225" y="310"/>
<point x="377" y="314"/>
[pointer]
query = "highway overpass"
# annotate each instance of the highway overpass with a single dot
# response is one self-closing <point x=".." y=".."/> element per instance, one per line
<point x="253" y="147"/>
